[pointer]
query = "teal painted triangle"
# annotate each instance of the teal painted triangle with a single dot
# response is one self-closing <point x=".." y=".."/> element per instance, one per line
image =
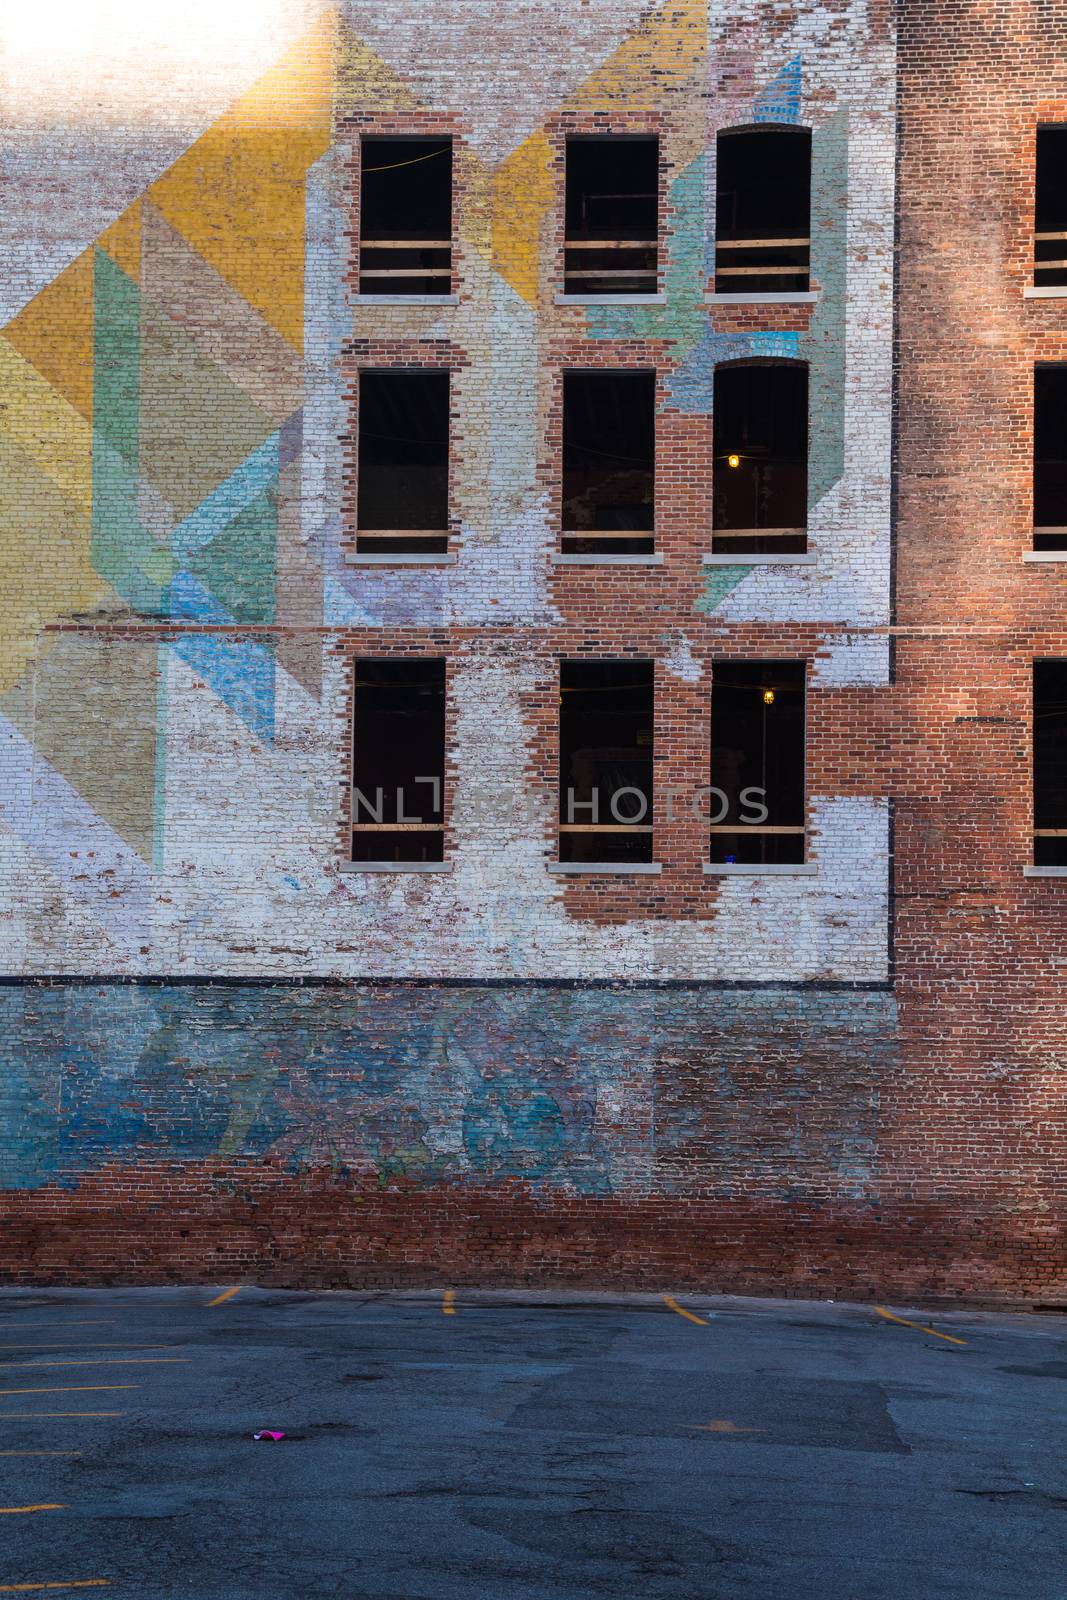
<point x="238" y="565"/>
<point x="123" y="551"/>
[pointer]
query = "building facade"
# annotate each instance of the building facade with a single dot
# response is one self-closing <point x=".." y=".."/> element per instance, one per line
<point x="396" y="613"/>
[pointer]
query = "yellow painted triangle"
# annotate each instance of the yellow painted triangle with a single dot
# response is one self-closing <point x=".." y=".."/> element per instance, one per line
<point x="524" y="192"/>
<point x="363" y="79"/>
<point x="659" y="55"/>
<point x="51" y="432"/>
<point x="237" y="194"/>
<point x="122" y="241"/>
<point x="54" y="333"/>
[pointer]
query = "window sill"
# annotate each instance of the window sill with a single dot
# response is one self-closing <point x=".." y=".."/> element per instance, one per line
<point x="1036" y="557"/>
<point x="405" y="300"/>
<point x="1058" y="293"/>
<point x="1045" y="872"/>
<point x="758" y="869"/>
<point x="607" y="868"/>
<point x="566" y="560"/>
<point x="357" y="559"/>
<point x="611" y="299"/>
<point x="717" y="560"/>
<point x="396" y="866"/>
<point x="802" y="297"/>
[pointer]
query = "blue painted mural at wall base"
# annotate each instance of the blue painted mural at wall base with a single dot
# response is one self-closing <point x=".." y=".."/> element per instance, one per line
<point x="593" y="1090"/>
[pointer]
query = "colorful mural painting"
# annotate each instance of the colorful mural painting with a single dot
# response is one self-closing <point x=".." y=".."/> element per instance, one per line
<point x="587" y="1090"/>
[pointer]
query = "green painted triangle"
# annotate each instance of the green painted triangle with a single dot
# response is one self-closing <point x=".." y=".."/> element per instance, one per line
<point x="238" y="565"/>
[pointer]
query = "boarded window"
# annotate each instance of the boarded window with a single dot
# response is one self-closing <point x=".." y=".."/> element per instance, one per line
<point x="1050" y="763"/>
<point x="761" y="459"/>
<point x="405" y="216"/>
<point x="763" y="211"/>
<point x="605" y="761"/>
<point x="1050" y="458"/>
<point x="398" y="761"/>
<point x="757" y="762"/>
<point x="1050" y="243"/>
<point x="402" y="500"/>
<point x="612" y="215"/>
<point x="609" y="465"/>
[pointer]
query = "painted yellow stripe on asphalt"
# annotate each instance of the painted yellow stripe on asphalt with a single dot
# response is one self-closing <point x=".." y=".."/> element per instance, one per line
<point x="227" y="1294"/>
<point x="74" y="1583"/>
<point x="448" y="1303"/>
<point x="690" y="1316"/>
<point x="83" y="1344"/>
<point x="18" y="1511"/>
<point x="918" y="1326"/>
<point x="77" y="1388"/>
<point x="75" y="1322"/>
<point x="104" y="1361"/>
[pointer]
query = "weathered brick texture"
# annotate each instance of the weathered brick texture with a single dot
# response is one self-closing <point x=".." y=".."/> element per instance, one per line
<point x="226" y="1054"/>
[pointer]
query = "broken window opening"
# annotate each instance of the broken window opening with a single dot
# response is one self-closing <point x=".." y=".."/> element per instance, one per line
<point x="605" y="761"/>
<point x="757" y="762"/>
<point x="760" y="447"/>
<point x="1050" y="763"/>
<point x="405" y="216"/>
<point x="763" y="211"/>
<point x="1050" y="458"/>
<point x="398" y="761"/>
<point x="1050" y="220"/>
<point x="609" y="463"/>
<point x="402" y="483"/>
<point x="611" y="231"/>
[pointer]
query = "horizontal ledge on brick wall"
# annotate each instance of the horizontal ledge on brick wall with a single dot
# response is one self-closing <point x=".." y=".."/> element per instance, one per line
<point x="1045" y="872"/>
<point x="804" y="297"/>
<point x="405" y="300"/>
<point x="760" y="869"/>
<point x="604" y="561"/>
<point x="353" y="559"/>
<point x="396" y="866"/>
<point x="611" y="299"/>
<point x="614" y="868"/>
<point x="1046" y="294"/>
<point x="1037" y="556"/>
<point x="717" y="560"/>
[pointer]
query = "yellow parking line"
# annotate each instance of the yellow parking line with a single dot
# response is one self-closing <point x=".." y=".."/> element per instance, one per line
<point x="75" y="1322"/>
<point x="103" y="1361"/>
<point x="690" y="1316"/>
<point x="77" y="1388"/>
<point x="84" y="1344"/>
<point x="918" y="1326"/>
<point x="227" y="1294"/>
<point x="18" y="1511"/>
<point x="448" y="1303"/>
<point x="74" y="1583"/>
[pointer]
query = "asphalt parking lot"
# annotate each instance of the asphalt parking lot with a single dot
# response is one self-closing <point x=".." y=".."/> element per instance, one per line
<point x="449" y="1445"/>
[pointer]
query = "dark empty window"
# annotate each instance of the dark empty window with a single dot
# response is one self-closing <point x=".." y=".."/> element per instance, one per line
<point x="1050" y="763"/>
<point x="1050" y="458"/>
<point x="605" y="761"/>
<point x="609" y="468"/>
<point x="1050" y="244"/>
<point x="763" y="211"/>
<point x="402" y="498"/>
<point x="398" y="761"/>
<point x="761" y="459"/>
<point x="612" y="215"/>
<point x="757" y="762"/>
<point x="405" y="216"/>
